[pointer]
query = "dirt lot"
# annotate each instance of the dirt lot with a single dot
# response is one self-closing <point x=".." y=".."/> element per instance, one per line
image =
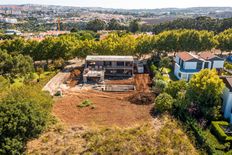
<point x="142" y="82"/>
<point x="110" y="109"/>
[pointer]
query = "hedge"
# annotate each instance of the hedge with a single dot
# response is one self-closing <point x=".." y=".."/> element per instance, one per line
<point x="218" y="131"/>
<point x="205" y="139"/>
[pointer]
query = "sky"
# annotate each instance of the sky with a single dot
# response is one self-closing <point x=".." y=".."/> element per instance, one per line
<point x="127" y="4"/>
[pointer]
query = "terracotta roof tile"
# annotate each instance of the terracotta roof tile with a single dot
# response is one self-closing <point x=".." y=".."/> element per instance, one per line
<point x="207" y="55"/>
<point x="185" y="56"/>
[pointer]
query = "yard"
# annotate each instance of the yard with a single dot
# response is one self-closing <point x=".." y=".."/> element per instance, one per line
<point x="109" y="109"/>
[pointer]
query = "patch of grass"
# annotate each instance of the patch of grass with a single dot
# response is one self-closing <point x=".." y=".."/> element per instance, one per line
<point x="143" y="139"/>
<point x="85" y="103"/>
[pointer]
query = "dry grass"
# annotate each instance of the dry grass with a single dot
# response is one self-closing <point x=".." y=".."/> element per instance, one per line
<point x="163" y="136"/>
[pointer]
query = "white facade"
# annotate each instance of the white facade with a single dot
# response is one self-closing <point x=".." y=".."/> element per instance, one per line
<point x="227" y="104"/>
<point x="218" y="64"/>
<point x="188" y="64"/>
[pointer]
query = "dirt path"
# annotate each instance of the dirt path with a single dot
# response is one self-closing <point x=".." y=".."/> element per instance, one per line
<point x="54" y="84"/>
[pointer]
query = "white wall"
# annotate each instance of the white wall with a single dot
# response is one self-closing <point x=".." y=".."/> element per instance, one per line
<point x="218" y="64"/>
<point x="176" y="59"/>
<point x="190" y="65"/>
<point x="227" y="102"/>
<point x="177" y="70"/>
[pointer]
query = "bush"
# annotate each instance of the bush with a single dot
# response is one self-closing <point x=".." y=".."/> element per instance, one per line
<point x="174" y="87"/>
<point x="85" y="103"/>
<point x="153" y="68"/>
<point x="164" y="102"/>
<point x="159" y="86"/>
<point x="218" y="131"/>
<point x="228" y="65"/>
<point x="24" y="113"/>
<point x="204" y="138"/>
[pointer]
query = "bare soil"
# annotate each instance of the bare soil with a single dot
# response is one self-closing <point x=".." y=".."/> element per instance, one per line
<point x="111" y="109"/>
<point x="142" y="82"/>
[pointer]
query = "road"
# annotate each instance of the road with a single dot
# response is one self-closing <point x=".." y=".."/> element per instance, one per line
<point x="55" y="83"/>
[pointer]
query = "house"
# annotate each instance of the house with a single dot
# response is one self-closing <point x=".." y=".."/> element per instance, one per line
<point x="99" y="67"/>
<point x="227" y="98"/>
<point x="187" y="64"/>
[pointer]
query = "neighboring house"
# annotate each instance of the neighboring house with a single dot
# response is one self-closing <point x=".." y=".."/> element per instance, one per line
<point x="13" y="32"/>
<point x="187" y="64"/>
<point x="227" y="98"/>
<point x="98" y="67"/>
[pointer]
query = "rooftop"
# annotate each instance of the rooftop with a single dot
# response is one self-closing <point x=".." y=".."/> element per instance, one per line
<point x="109" y="58"/>
<point x="186" y="56"/>
<point x="208" y="56"/>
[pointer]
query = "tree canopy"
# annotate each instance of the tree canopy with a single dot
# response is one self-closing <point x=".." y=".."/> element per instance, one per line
<point x="205" y="89"/>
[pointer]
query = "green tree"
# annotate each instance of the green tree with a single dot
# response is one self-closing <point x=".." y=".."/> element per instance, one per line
<point x="144" y="45"/>
<point x="164" y="102"/>
<point x="96" y="25"/>
<point x="114" y="25"/>
<point x="24" y="113"/>
<point x="134" y="26"/>
<point x="205" y="89"/>
<point x="174" y="87"/>
<point x="225" y="40"/>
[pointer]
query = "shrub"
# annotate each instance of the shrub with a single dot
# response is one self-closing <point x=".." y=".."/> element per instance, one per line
<point x="85" y="103"/>
<point x="163" y="102"/>
<point x="228" y="65"/>
<point x="218" y="131"/>
<point x="24" y="113"/>
<point x="153" y="68"/>
<point x="174" y="87"/>
<point x="204" y="138"/>
<point x="159" y="86"/>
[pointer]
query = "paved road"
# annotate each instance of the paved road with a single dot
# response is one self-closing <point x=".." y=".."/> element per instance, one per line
<point x="55" y="83"/>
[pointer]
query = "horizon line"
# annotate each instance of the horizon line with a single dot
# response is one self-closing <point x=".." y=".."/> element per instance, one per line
<point x="117" y="8"/>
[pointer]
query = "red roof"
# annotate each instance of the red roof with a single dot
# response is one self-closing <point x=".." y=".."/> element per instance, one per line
<point x="185" y="56"/>
<point x="207" y="55"/>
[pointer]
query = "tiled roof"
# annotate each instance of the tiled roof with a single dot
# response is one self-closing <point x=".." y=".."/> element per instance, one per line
<point x="185" y="56"/>
<point x="207" y="55"/>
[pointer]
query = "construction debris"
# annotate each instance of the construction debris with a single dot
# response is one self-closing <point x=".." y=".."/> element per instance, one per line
<point x="142" y="98"/>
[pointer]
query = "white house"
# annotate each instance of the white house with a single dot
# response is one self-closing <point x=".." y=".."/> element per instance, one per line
<point x="187" y="64"/>
<point x="227" y="98"/>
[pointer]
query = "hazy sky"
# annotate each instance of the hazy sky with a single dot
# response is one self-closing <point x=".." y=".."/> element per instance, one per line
<point x="128" y="4"/>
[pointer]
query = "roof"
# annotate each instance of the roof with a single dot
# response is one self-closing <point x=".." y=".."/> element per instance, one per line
<point x="186" y="56"/>
<point x="208" y="56"/>
<point x="228" y="81"/>
<point x="109" y="58"/>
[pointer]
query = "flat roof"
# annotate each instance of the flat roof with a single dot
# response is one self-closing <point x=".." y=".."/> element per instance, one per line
<point x="109" y="58"/>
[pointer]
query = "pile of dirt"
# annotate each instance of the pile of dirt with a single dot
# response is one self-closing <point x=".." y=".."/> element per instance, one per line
<point x="142" y="98"/>
<point x="74" y="77"/>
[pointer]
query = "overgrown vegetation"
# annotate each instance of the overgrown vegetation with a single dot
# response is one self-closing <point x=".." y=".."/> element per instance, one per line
<point x="24" y="114"/>
<point x="141" y="139"/>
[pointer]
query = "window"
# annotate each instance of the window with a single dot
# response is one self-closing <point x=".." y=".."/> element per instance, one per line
<point x="199" y="65"/>
<point x="120" y="63"/>
<point x="206" y="64"/>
